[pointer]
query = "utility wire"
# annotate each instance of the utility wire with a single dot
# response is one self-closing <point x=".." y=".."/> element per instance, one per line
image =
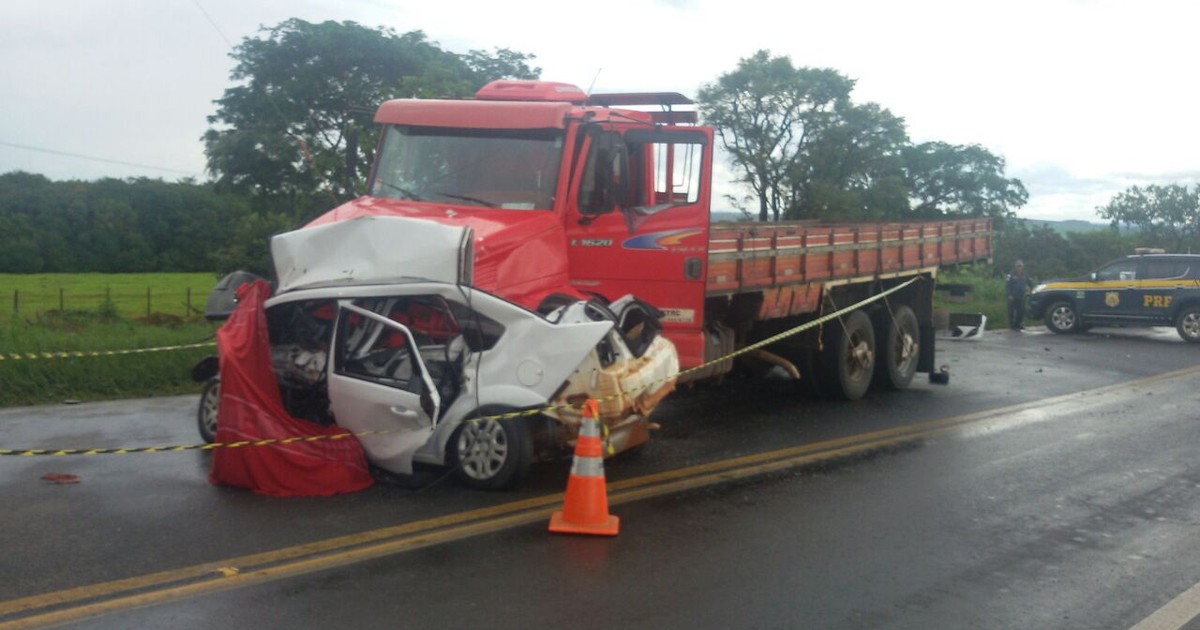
<point x="96" y="159"/>
<point x="214" y="24"/>
<point x="271" y="101"/>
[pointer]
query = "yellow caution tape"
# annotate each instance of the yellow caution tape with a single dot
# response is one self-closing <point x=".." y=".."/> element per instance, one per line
<point x="33" y="356"/>
<point x="503" y="416"/>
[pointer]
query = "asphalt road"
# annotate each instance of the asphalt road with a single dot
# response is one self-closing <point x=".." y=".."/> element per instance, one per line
<point x="1052" y="484"/>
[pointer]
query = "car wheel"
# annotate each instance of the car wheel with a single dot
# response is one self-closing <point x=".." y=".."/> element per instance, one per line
<point x="1061" y="318"/>
<point x="206" y="414"/>
<point x="492" y="454"/>
<point x="1188" y="324"/>
<point x="848" y="357"/>
<point x="899" y="348"/>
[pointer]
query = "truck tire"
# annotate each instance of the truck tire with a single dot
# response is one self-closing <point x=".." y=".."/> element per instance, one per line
<point x="1188" y="323"/>
<point x="492" y="454"/>
<point x="848" y="357"/>
<point x="206" y="414"/>
<point x="899" y="348"/>
<point x="1062" y="318"/>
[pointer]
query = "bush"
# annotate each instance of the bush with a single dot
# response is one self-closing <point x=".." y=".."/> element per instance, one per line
<point x="987" y="295"/>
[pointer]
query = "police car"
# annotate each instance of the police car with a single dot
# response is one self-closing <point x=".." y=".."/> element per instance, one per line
<point x="1139" y="290"/>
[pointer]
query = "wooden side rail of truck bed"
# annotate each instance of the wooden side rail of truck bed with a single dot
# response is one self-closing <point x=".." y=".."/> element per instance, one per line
<point x="745" y="257"/>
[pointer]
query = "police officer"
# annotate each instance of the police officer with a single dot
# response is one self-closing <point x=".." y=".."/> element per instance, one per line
<point x="1015" y="288"/>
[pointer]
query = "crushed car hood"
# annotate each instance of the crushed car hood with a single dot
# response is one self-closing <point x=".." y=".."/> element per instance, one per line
<point x="520" y="255"/>
<point x="370" y="250"/>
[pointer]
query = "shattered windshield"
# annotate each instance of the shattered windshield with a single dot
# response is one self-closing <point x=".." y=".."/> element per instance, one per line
<point x="496" y="168"/>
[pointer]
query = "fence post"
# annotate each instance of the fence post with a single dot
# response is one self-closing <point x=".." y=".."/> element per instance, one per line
<point x="16" y="301"/>
<point x="61" y="308"/>
<point x="188" y="311"/>
<point x="147" y="302"/>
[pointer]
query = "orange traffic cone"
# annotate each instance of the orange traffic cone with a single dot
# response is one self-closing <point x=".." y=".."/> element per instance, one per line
<point x="585" y="507"/>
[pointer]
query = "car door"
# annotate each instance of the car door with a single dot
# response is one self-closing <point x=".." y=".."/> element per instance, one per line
<point x="1114" y="292"/>
<point x="1164" y="279"/>
<point x="380" y="388"/>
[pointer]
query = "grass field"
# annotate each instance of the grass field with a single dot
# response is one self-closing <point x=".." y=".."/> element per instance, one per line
<point x="101" y="312"/>
<point x="132" y="294"/>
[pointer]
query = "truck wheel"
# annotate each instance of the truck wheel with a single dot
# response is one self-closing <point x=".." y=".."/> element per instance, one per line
<point x="848" y="357"/>
<point x="492" y="454"/>
<point x="899" y="349"/>
<point x="206" y="415"/>
<point x="1061" y="318"/>
<point x="1188" y="324"/>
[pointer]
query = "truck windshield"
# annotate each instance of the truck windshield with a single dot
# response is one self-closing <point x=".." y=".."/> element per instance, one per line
<point x="497" y="168"/>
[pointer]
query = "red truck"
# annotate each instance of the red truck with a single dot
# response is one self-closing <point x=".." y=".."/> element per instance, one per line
<point x="554" y="198"/>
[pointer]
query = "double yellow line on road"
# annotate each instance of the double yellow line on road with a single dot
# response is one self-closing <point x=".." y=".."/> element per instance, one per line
<point x="157" y="588"/>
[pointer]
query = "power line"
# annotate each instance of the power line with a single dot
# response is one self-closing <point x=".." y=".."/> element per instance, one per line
<point x="96" y="159"/>
<point x="213" y="23"/>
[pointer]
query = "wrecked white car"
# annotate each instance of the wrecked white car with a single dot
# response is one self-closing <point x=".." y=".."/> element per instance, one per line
<point x="393" y="344"/>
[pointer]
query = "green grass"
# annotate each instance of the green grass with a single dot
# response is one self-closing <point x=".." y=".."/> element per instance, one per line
<point x="988" y="296"/>
<point x="172" y="294"/>
<point x="102" y="326"/>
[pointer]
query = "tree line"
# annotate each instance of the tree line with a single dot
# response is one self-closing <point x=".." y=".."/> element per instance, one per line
<point x="805" y="149"/>
<point x="294" y="137"/>
<point x="112" y="225"/>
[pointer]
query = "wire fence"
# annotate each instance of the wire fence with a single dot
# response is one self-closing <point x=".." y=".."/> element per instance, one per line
<point x="183" y="302"/>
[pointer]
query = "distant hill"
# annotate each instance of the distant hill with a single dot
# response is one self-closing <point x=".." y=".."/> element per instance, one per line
<point x="1066" y="227"/>
<point x="727" y="215"/>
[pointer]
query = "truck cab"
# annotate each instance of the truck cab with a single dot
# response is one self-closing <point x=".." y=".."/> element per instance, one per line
<point x="569" y="197"/>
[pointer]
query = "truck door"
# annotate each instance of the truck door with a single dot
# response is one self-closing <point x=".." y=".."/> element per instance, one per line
<point x="637" y="222"/>
<point x="379" y="382"/>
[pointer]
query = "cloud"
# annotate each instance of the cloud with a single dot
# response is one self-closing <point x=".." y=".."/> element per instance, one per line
<point x="1176" y="177"/>
<point x="1054" y="179"/>
<point x="1081" y="98"/>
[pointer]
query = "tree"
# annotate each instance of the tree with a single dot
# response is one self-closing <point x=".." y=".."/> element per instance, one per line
<point x="300" y="119"/>
<point x="946" y="179"/>
<point x="1167" y="216"/>
<point x="501" y="63"/>
<point x="766" y="113"/>
<point x="806" y="150"/>
<point x="1048" y="253"/>
<point x="854" y="168"/>
<point x="112" y="225"/>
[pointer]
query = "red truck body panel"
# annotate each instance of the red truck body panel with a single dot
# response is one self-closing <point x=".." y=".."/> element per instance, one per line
<point x="519" y="255"/>
<point x="670" y="256"/>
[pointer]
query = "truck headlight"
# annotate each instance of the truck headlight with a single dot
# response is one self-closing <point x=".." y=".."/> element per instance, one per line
<point x="1039" y="288"/>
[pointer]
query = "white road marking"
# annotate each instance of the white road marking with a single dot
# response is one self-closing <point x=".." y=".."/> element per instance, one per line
<point x="1176" y="614"/>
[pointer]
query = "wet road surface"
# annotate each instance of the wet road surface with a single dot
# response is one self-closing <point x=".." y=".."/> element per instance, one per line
<point x="1052" y="484"/>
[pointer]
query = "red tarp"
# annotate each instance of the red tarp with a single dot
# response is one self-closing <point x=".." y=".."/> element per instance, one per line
<point x="251" y="409"/>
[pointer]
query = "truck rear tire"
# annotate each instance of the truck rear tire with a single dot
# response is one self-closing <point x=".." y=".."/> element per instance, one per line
<point x="848" y="357"/>
<point x="899" y="348"/>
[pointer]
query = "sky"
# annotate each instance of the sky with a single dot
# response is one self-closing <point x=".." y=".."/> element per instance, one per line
<point x="1082" y="98"/>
